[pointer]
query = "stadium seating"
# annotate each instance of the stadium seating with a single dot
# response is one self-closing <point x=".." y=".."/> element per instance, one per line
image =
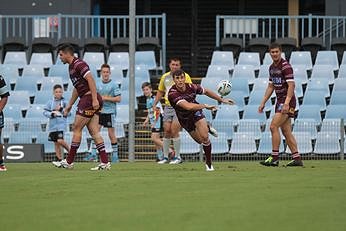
<point x="27" y="83"/>
<point x="243" y="143"/>
<point x="244" y="71"/>
<point x="251" y="126"/>
<point x="241" y="84"/>
<point x="265" y="144"/>
<point x="31" y="124"/>
<point x="256" y="97"/>
<point x="225" y="126"/>
<point x="95" y="59"/>
<point x="310" y="112"/>
<point x="239" y="98"/>
<point x="328" y="58"/>
<point x="13" y="110"/>
<point x="259" y="45"/>
<point x="250" y="58"/>
<point x="10" y="73"/>
<point x="187" y="144"/>
<point x="327" y="143"/>
<point x="338" y="45"/>
<point x="267" y="60"/>
<point x="312" y="44"/>
<point x="263" y="71"/>
<point x="251" y="112"/>
<point x="15" y="44"/>
<point x="315" y="98"/>
<point x="119" y="45"/>
<point x="33" y="70"/>
<point x="219" y="144"/>
<point x="219" y="72"/>
<point x="223" y="58"/>
<point x="120" y="59"/>
<point x="232" y="44"/>
<point x="288" y="45"/>
<point x="319" y="84"/>
<point x="227" y="112"/>
<point x="301" y="58"/>
<point x="48" y="146"/>
<point x="323" y="71"/>
<point x="211" y="82"/>
<point x="24" y="137"/>
<point x="299" y="72"/>
<point x="304" y="143"/>
<point x="306" y="125"/>
<point x="60" y="71"/>
<point x="150" y="44"/>
<point x="17" y="58"/>
<point x="145" y="58"/>
<point x="337" y="97"/>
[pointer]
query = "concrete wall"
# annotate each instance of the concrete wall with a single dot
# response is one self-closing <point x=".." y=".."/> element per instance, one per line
<point x="35" y="7"/>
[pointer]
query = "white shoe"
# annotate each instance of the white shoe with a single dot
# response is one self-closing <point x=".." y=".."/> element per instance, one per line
<point x="66" y="165"/>
<point x="176" y="161"/>
<point x="212" y="131"/>
<point x="209" y="169"/>
<point x="102" y="166"/>
<point x="163" y="161"/>
<point x="57" y="164"/>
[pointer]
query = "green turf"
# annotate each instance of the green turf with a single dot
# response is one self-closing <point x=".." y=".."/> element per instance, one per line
<point x="147" y="196"/>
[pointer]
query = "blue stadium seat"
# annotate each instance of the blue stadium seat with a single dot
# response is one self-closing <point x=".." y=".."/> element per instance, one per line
<point x="13" y="111"/>
<point x="336" y="112"/>
<point x="123" y="113"/>
<point x="27" y="83"/>
<point x="323" y="71"/>
<point x="24" y="137"/>
<point x="251" y="112"/>
<point x="315" y="98"/>
<point x="310" y="112"/>
<point x="219" y="144"/>
<point x="19" y="97"/>
<point x="249" y="58"/>
<point x="60" y="71"/>
<point x="48" y="83"/>
<point x="119" y="59"/>
<point x="145" y="58"/>
<point x="223" y="58"/>
<point x="256" y="97"/>
<point x="218" y="72"/>
<point x="263" y="71"/>
<point x="305" y="125"/>
<point x="327" y="143"/>
<point x="299" y="72"/>
<point x="211" y="82"/>
<point x="267" y="60"/>
<point x="10" y="73"/>
<point x="43" y="59"/>
<point x="243" y="72"/>
<point x="301" y="58"/>
<point x="240" y="84"/>
<point x="188" y="145"/>
<point x="304" y="143"/>
<point x="227" y="112"/>
<point x="251" y="126"/>
<point x="327" y="58"/>
<point x="94" y="59"/>
<point x="265" y="144"/>
<point x="339" y="85"/>
<point x="337" y="97"/>
<point x="239" y="98"/>
<point x="33" y="70"/>
<point x="17" y="58"/>
<point x="42" y="97"/>
<point x="225" y="126"/>
<point x="31" y="124"/>
<point x="243" y="143"/>
<point x="318" y="84"/>
<point x="36" y="111"/>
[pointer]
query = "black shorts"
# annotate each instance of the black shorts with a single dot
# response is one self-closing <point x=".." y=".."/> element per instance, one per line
<point x="2" y="120"/>
<point x="158" y="126"/>
<point x="106" y="120"/>
<point x="55" y="136"/>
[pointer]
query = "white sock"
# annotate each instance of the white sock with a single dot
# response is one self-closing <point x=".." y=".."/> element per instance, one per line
<point x="176" y="145"/>
<point x="166" y="144"/>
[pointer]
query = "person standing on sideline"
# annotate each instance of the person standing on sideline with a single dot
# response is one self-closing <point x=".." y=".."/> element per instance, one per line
<point x="57" y="122"/>
<point x="154" y="117"/>
<point x="4" y="94"/>
<point x="111" y="95"/>
<point x="182" y="97"/>
<point x="281" y="80"/>
<point x="88" y="108"/>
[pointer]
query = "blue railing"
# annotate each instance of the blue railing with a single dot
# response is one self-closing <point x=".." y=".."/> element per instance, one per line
<point x="247" y="27"/>
<point x="82" y="26"/>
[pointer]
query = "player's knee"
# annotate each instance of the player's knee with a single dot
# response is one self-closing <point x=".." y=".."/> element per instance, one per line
<point x="273" y="127"/>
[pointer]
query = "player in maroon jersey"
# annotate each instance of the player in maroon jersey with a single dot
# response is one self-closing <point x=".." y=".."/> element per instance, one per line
<point x="88" y="108"/>
<point x="182" y="97"/>
<point x="281" y="81"/>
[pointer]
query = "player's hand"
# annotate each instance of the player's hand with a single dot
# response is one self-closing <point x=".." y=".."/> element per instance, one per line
<point x="228" y="101"/>
<point x="67" y="110"/>
<point x="96" y="104"/>
<point x="260" y="108"/>
<point x="145" y="123"/>
<point x="210" y="107"/>
<point x="285" y="108"/>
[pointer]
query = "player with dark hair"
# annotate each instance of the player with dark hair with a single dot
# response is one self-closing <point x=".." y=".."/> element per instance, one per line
<point x="88" y="108"/>
<point x="4" y="93"/>
<point x="182" y="97"/>
<point x="281" y="81"/>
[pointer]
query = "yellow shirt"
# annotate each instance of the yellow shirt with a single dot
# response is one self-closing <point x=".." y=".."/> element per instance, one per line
<point x="166" y="82"/>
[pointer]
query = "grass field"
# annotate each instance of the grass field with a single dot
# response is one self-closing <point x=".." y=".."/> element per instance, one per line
<point x="147" y="196"/>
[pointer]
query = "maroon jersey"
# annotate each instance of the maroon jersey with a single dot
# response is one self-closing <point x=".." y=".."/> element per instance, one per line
<point x="78" y="70"/>
<point x="279" y="76"/>
<point x="186" y="118"/>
